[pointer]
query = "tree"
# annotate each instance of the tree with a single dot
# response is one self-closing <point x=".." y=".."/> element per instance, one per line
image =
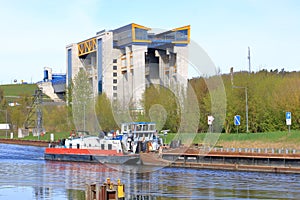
<point x="83" y="108"/>
<point x="104" y="113"/>
<point x="162" y="107"/>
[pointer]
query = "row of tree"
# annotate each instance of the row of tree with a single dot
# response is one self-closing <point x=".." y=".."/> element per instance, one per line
<point x="269" y="96"/>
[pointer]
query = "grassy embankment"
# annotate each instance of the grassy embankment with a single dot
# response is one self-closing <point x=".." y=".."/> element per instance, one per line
<point x="243" y="140"/>
<point x="45" y="137"/>
<point x="18" y="89"/>
<point x="14" y="91"/>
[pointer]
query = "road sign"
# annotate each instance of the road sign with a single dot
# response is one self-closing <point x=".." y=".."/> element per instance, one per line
<point x="288" y="118"/>
<point x="210" y="119"/>
<point x="237" y="120"/>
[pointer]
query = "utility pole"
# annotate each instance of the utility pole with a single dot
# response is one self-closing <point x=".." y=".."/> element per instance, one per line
<point x="246" y="98"/>
<point x="249" y="58"/>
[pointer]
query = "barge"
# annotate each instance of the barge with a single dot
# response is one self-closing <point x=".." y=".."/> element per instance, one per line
<point x="114" y="148"/>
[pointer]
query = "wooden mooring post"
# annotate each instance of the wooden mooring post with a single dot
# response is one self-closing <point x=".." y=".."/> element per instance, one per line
<point x="105" y="191"/>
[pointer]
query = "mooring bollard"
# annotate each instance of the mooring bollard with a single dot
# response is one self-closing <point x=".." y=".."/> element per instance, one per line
<point x="107" y="190"/>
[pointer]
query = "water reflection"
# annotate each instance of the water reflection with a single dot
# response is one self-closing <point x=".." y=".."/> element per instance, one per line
<point x="26" y="175"/>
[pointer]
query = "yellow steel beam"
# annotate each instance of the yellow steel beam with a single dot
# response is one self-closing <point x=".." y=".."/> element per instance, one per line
<point x="140" y="26"/>
<point x="182" y="28"/>
<point x="146" y="41"/>
<point x="87" y="46"/>
<point x="181" y="42"/>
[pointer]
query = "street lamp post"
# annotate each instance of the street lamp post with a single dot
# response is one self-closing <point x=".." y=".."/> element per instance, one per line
<point x="84" y="117"/>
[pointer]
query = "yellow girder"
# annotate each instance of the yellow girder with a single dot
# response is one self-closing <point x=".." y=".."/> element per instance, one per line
<point x="87" y="46"/>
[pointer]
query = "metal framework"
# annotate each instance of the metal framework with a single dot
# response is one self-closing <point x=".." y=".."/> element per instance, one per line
<point x="35" y="109"/>
<point x="86" y="47"/>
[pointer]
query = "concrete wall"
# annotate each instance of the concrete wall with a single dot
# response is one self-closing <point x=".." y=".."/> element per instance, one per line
<point x="138" y="52"/>
<point x="76" y="63"/>
<point x="181" y="65"/>
<point x="107" y="63"/>
<point x="49" y="91"/>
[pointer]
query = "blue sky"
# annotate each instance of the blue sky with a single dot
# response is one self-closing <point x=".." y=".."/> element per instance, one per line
<point x="34" y="33"/>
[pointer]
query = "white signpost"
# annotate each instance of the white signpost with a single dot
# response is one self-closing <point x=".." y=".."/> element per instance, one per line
<point x="288" y="119"/>
<point x="210" y="120"/>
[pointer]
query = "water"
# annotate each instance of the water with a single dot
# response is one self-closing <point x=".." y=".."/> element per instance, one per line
<point x="26" y="175"/>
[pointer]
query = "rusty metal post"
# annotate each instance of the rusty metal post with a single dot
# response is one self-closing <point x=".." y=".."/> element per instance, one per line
<point x="103" y="192"/>
<point x="98" y="192"/>
<point x="106" y="191"/>
<point x="88" y="192"/>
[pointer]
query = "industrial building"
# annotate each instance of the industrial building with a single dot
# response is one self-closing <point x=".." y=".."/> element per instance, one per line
<point x="53" y="85"/>
<point x="124" y="61"/>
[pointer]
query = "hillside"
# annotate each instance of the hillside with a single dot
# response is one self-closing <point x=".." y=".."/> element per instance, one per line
<point x="15" y="90"/>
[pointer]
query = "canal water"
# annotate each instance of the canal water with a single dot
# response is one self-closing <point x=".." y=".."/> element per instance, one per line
<point x="26" y="175"/>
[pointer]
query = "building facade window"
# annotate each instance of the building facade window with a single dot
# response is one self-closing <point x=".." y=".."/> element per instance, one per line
<point x="115" y="67"/>
<point x="115" y="81"/>
<point x="115" y="74"/>
<point x="115" y="88"/>
<point x="114" y="60"/>
<point x="115" y="95"/>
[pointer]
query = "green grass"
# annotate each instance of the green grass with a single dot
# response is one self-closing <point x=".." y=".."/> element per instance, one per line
<point x="257" y="139"/>
<point x="46" y="137"/>
<point x="19" y="89"/>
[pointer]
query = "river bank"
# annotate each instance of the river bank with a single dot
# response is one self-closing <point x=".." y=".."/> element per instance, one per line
<point x="37" y="143"/>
